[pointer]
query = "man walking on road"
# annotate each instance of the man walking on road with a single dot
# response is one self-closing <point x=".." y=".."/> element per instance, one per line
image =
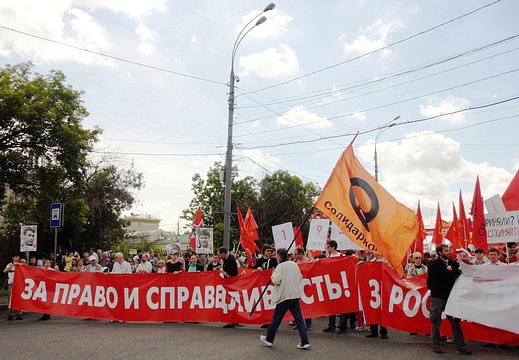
<point x="287" y="292"/>
<point x="442" y="275"/>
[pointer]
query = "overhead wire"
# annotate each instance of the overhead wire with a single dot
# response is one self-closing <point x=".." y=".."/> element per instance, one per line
<point x="386" y="105"/>
<point x="383" y="127"/>
<point x="113" y="57"/>
<point x="388" y="46"/>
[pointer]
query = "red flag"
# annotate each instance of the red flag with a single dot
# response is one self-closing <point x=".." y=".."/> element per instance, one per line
<point x="197" y="222"/>
<point x="251" y="228"/>
<point x="247" y="245"/>
<point x="438" y="231"/>
<point x="464" y="231"/>
<point x="315" y="214"/>
<point x="299" y="237"/>
<point x="479" y="232"/>
<point x="420" y="235"/>
<point x="511" y="195"/>
<point x="453" y="232"/>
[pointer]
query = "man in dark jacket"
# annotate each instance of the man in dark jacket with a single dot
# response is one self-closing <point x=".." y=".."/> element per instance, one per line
<point x="442" y="274"/>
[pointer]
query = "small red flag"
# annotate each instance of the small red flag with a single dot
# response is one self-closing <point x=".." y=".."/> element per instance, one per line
<point x="421" y="234"/>
<point x="438" y="230"/>
<point x="479" y="232"/>
<point x="464" y="230"/>
<point x="511" y="195"/>
<point x="299" y="237"/>
<point x="197" y="222"/>
<point x="251" y="227"/>
<point x="453" y="232"/>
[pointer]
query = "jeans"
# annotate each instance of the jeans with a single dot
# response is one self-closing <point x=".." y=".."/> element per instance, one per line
<point x="294" y="307"/>
<point x="342" y="321"/>
<point x="437" y="307"/>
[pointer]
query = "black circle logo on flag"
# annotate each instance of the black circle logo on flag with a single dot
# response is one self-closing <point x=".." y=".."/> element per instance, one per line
<point x="365" y="217"/>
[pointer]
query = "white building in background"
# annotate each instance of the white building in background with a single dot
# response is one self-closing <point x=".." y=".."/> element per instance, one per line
<point x="142" y="223"/>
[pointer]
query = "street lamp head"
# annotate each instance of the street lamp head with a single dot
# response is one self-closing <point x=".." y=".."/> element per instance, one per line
<point x="261" y="20"/>
<point x="269" y="7"/>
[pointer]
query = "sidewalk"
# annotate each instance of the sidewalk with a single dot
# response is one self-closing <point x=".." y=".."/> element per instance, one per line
<point x="3" y="303"/>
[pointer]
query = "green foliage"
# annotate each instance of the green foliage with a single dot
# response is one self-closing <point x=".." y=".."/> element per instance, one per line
<point x="125" y="245"/>
<point x="279" y="197"/>
<point x="45" y="156"/>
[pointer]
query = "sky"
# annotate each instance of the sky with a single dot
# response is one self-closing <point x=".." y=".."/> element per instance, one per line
<point x="309" y="77"/>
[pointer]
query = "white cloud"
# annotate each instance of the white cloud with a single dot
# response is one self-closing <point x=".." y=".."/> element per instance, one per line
<point x="194" y="39"/>
<point x="359" y="115"/>
<point x="132" y="8"/>
<point x="430" y="167"/>
<point x="515" y="165"/>
<point x="264" y="163"/>
<point x="276" y="24"/>
<point x="373" y="37"/>
<point x="298" y="115"/>
<point x="271" y="63"/>
<point x="147" y="38"/>
<point x="69" y="21"/>
<point x="436" y="106"/>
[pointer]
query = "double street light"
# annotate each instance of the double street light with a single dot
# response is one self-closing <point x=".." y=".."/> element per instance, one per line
<point x="382" y="129"/>
<point x="260" y="19"/>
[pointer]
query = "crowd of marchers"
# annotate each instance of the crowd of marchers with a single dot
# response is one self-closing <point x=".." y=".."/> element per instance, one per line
<point x="441" y="266"/>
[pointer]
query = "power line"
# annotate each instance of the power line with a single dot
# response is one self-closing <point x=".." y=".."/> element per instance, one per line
<point x="320" y="103"/>
<point x="113" y="57"/>
<point x="162" y="142"/>
<point x="382" y="127"/>
<point x="389" y="104"/>
<point x="157" y="154"/>
<point x="378" y="49"/>
<point x="381" y="77"/>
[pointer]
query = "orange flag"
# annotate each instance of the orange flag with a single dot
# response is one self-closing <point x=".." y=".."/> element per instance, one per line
<point x="438" y="228"/>
<point x="366" y="212"/>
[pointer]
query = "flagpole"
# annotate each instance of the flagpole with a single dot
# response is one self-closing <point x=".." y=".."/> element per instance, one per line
<point x="307" y="216"/>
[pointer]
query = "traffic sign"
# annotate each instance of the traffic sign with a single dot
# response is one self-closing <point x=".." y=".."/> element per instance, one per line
<point x="56" y="215"/>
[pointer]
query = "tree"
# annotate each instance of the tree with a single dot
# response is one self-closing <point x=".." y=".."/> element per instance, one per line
<point x="45" y="156"/>
<point x="209" y="196"/>
<point x="280" y="197"/>
<point x="283" y="198"/>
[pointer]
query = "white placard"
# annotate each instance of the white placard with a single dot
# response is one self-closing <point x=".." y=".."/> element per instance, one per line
<point x="204" y="240"/>
<point x="502" y="227"/>
<point x="28" y="238"/>
<point x="343" y="242"/>
<point x="318" y="234"/>
<point x="283" y="235"/>
<point x="494" y="204"/>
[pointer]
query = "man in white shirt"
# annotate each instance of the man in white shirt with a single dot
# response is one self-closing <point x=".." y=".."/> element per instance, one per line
<point x="121" y="266"/>
<point x="286" y="295"/>
<point x="493" y="257"/>
<point x="10" y="269"/>
<point x="145" y="266"/>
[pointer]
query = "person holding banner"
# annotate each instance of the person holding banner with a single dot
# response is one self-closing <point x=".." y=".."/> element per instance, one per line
<point x="442" y="275"/>
<point x="47" y="265"/>
<point x="493" y="257"/>
<point x="331" y="249"/>
<point x="10" y="269"/>
<point x="286" y="295"/>
<point x="229" y="269"/>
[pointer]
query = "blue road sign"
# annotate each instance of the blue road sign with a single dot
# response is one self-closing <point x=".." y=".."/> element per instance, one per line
<point x="56" y="215"/>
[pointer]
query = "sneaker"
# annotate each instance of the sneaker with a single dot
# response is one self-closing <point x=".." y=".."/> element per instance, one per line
<point x="304" y="347"/>
<point x="371" y="336"/>
<point x="341" y="331"/>
<point x="383" y="336"/>
<point x="464" y="351"/>
<point x="10" y="318"/>
<point x="44" y="317"/>
<point x="263" y="339"/>
<point x="229" y="326"/>
<point x="264" y="326"/>
<point x="328" y="330"/>
<point x="19" y="318"/>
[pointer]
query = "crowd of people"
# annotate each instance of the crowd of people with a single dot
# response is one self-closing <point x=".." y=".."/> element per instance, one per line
<point x="441" y="266"/>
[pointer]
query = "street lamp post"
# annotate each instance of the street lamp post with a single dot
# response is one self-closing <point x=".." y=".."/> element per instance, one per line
<point x="382" y="129"/>
<point x="228" y="157"/>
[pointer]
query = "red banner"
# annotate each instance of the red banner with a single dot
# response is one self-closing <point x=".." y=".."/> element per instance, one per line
<point x="328" y="285"/>
<point x="403" y="304"/>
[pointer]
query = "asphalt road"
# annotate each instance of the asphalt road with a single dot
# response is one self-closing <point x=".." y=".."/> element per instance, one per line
<point x="69" y="339"/>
